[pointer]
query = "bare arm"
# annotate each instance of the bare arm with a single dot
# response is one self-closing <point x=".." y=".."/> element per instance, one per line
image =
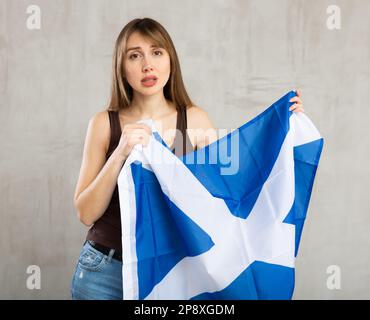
<point x="97" y="180"/>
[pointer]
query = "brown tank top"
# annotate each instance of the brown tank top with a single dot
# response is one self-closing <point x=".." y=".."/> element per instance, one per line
<point x="107" y="229"/>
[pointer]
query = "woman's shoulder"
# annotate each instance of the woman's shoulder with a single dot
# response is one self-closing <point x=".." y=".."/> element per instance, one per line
<point x="197" y="117"/>
<point x="100" y="120"/>
<point x="99" y="127"/>
<point x="200" y="126"/>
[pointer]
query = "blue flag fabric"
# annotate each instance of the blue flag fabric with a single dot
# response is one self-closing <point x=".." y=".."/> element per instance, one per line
<point x="222" y="222"/>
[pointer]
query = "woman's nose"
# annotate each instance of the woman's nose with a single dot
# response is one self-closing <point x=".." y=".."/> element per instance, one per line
<point x="147" y="67"/>
<point x="147" y="63"/>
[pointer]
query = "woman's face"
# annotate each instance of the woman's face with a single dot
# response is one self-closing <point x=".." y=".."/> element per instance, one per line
<point x="146" y="60"/>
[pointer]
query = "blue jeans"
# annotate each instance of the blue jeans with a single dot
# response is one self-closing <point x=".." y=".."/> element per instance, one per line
<point x="97" y="276"/>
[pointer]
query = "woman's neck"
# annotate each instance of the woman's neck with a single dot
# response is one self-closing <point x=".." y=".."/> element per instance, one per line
<point x="153" y="107"/>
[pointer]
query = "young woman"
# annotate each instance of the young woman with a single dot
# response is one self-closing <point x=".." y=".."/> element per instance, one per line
<point x="147" y="83"/>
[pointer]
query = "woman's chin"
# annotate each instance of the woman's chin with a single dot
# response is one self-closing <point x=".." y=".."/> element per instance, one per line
<point x="149" y="91"/>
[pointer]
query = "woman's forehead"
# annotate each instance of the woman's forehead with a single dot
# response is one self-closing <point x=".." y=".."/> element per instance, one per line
<point x="138" y="40"/>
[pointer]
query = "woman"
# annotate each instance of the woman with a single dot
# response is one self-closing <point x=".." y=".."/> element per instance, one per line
<point x="147" y="83"/>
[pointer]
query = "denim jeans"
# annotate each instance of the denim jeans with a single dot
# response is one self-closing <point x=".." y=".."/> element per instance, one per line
<point x="97" y="276"/>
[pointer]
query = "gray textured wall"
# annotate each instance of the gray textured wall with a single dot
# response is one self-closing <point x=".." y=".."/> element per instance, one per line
<point x="237" y="58"/>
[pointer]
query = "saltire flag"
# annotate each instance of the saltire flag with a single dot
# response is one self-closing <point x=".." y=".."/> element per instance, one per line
<point x="201" y="227"/>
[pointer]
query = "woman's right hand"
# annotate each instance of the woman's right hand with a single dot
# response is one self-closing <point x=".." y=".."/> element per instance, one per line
<point x="133" y="134"/>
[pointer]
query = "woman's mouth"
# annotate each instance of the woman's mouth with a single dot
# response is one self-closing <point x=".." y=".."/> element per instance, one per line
<point x="149" y="83"/>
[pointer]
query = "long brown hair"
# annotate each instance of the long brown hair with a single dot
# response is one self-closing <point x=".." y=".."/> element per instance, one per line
<point x="121" y="92"/>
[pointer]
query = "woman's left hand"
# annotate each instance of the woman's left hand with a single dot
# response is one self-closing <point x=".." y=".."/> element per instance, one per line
<point x="298" y="105"/>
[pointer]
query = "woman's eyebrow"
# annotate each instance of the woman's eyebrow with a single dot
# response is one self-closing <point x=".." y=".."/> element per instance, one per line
<point x="135" y="48"/>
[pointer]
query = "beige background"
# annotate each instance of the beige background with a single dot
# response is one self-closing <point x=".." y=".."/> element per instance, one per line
<point x="237" y="57"/>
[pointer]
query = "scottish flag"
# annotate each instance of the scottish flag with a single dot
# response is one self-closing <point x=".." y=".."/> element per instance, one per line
<point x="222" y="222"/>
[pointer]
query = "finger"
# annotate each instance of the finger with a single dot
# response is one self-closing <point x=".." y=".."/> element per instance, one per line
<point x="146" y="128"/>
<point x="135" y="140"/>
<point x="137" y="126"/>
<point x="134" y="125"/>
<point x="299" y="110"/>
<point x="129" y="131"/>
<point x="299" y="93"/>
<point x="296" y="105"/>
<point x="295" y="99"/>
<point x="142" y="131"/>
<point x="298" y="100"/>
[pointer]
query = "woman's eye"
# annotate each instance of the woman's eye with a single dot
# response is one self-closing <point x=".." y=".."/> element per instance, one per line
<point x="134" y="55"/>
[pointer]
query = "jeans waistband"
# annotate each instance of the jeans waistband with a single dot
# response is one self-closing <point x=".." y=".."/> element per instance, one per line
<point x="105" y="250"/>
